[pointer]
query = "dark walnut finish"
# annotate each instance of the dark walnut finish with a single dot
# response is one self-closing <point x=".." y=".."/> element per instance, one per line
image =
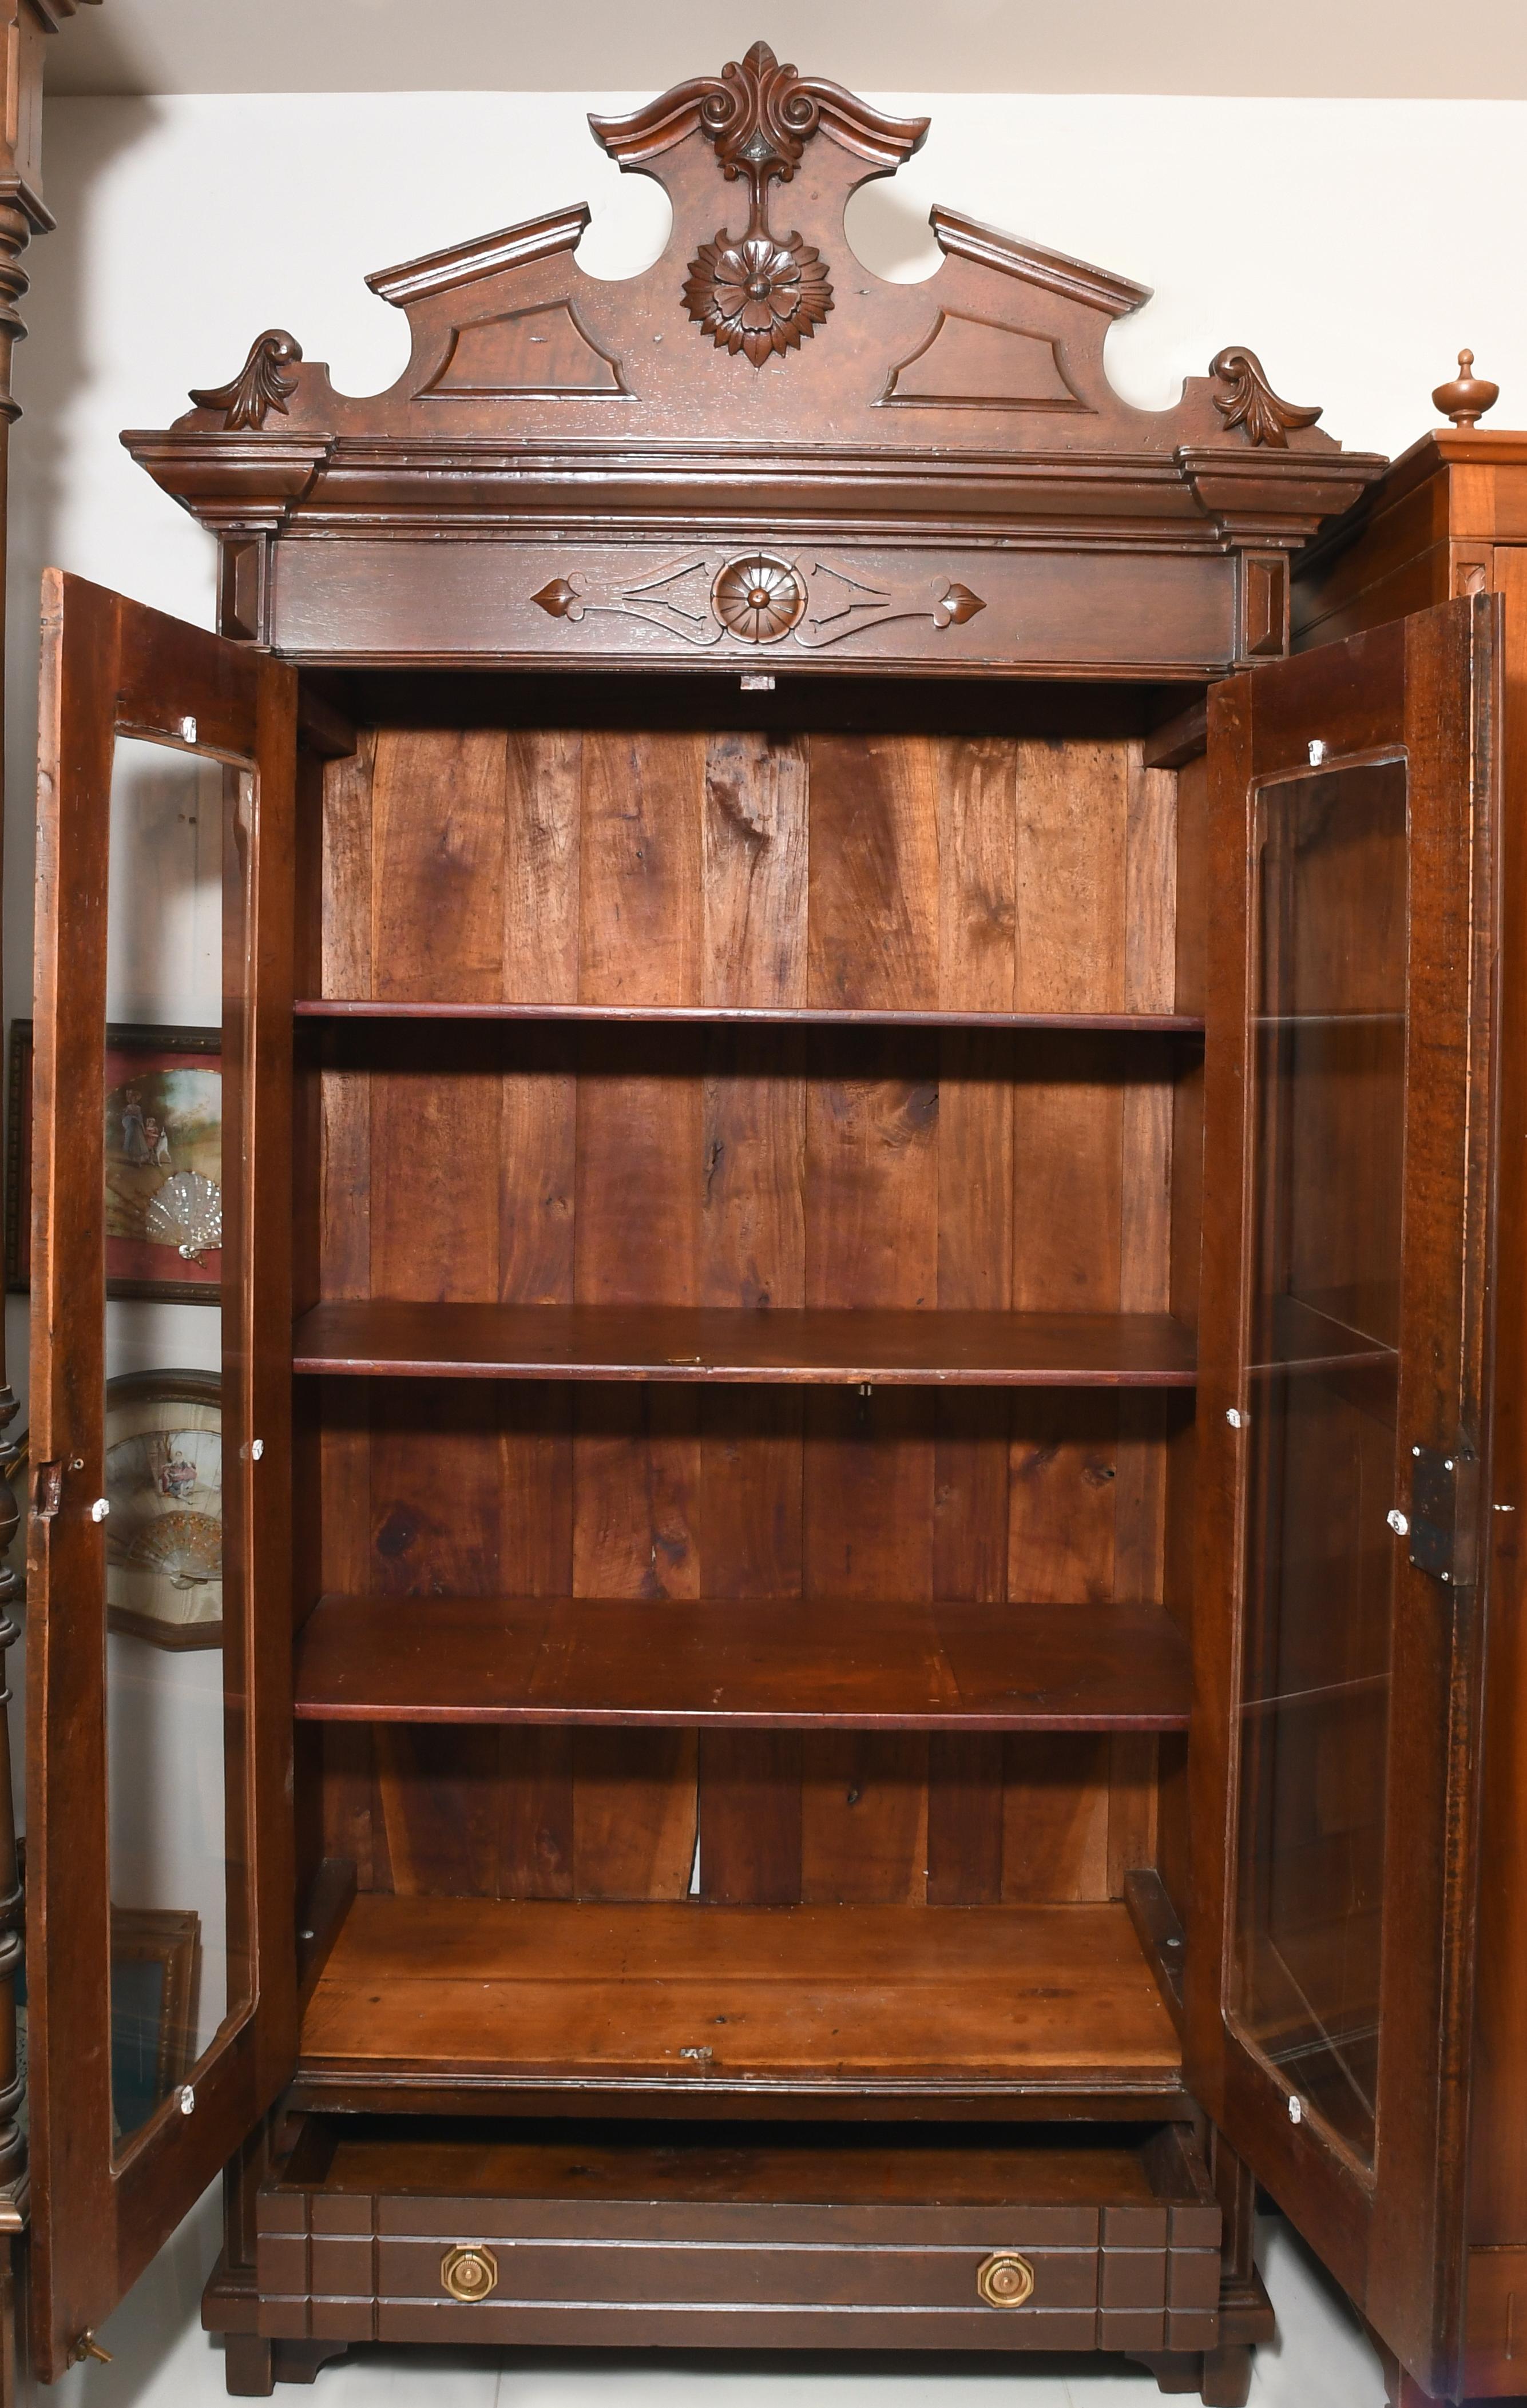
<point x="622" y="2237"/>
<point x="756" y="1012"/>
<point x="1449" y="518"/>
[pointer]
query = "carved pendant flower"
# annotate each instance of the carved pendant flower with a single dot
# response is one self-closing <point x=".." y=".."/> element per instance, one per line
<point x="757" y="295"/>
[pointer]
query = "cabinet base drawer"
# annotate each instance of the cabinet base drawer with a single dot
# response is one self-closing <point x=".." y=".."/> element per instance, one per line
<point x="717" y="2236"/>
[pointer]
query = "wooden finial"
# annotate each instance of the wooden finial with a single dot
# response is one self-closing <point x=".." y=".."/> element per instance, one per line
<point x="1466" y="397"/>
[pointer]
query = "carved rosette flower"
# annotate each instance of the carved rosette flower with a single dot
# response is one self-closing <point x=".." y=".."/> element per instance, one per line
<point x="757" y="296"/>
<point x="760" y="598"/>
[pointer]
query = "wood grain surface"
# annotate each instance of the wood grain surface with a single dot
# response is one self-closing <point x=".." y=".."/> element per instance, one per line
<point x="758" y="1665"/>
<point x="696" y="1994"/>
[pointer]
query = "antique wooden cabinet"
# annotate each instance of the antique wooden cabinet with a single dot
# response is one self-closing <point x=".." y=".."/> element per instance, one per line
<point x="870" y="1435"/>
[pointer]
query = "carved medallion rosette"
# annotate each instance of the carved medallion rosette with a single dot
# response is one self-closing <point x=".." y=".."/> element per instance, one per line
<point x="761" y="597"/>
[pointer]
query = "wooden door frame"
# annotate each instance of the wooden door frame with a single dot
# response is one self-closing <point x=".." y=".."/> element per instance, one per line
<point x="112" y="667"/>
<point x="1396" y="2243"/>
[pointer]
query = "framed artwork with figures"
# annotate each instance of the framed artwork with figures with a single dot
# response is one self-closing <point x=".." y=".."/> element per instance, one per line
<point x="164" y="1163"/>
<point x="164" y="1482"/>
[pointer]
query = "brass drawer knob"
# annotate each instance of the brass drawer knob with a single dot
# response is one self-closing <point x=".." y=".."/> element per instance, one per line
<point x="470" y="2274"/>
<point x="1004" y="2280"/>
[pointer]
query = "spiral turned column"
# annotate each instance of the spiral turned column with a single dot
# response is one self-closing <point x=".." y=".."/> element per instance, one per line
<point x="20" y="216"/>
<point x="18" y="221"/>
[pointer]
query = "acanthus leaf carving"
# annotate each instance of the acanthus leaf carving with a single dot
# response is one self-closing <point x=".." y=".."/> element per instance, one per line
<point x="761" y="597"/>
<point x="1252" y="403"/>
<point x="261" y="385"/>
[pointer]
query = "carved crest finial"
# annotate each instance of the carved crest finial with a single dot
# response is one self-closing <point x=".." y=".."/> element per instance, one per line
<point x="757" y="293"/>
<point x="1466" y="397"/>
<point x="260" y="386"/>
<point x="757" y="100"/>
<point x="1252" y="403"/>
<point x="760" y="116"/>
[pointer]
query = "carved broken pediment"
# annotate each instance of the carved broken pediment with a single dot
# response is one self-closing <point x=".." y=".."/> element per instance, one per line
<point x="757" y="370"/>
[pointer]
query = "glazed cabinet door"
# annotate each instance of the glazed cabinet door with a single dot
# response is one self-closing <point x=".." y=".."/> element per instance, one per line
<point x="161" y="1987"/>
<point x="1342" y="1458"/>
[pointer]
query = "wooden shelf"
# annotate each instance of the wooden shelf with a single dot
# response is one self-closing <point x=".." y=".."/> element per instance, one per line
<point x="671" y="1342"/>
<point x="1146" y="1024"/>
<point x="789" y="1663"/>
<point x="1308" y="1339"/>
<point x="694" y="1998"/>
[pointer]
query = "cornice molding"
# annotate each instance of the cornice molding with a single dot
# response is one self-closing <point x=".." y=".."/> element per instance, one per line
<point x="467" y="262"/>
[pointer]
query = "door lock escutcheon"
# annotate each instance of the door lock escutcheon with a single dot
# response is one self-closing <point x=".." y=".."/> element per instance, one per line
<point x="1442" y="1530"/>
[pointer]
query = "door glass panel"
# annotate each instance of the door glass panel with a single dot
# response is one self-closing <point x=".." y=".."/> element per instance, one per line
<point x="1332" y="908"/>
<point x="179" y="1961"/>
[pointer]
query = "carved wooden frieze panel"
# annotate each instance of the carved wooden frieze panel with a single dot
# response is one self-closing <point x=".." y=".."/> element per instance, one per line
<point x="760" y="596"/>
<point x="968" y="610"/>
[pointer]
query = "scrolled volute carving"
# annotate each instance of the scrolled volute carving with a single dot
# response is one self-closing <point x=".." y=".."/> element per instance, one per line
<point x="760" y="115"/>
<point x="261" y="385"/>
<point x="1252" y="403"/>
<point x="757" y="96"/>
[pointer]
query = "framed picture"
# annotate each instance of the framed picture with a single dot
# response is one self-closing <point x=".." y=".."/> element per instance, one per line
<point x="164" y="1482"/>
<point x="155" y="1976"/>
<point x="164" y="1163"/>
<point x="155" y="1995"/>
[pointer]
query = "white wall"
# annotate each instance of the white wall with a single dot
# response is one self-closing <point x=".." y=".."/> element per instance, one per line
<point x="1317" y="233"/>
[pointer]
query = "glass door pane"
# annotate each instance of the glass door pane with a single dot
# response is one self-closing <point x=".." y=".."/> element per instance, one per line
<point x="161" y="1976"/>
<point x="178" y="1954"/>
<point x="1328" y="1057"/>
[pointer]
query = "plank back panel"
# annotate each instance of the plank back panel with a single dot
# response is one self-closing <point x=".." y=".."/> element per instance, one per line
<point x="968" y="1169"/>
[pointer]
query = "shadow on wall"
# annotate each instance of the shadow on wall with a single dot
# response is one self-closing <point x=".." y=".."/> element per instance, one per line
<point x="51" y="370"/>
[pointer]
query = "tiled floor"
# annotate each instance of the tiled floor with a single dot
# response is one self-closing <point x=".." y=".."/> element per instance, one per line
<point x="162" y="2360"/>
